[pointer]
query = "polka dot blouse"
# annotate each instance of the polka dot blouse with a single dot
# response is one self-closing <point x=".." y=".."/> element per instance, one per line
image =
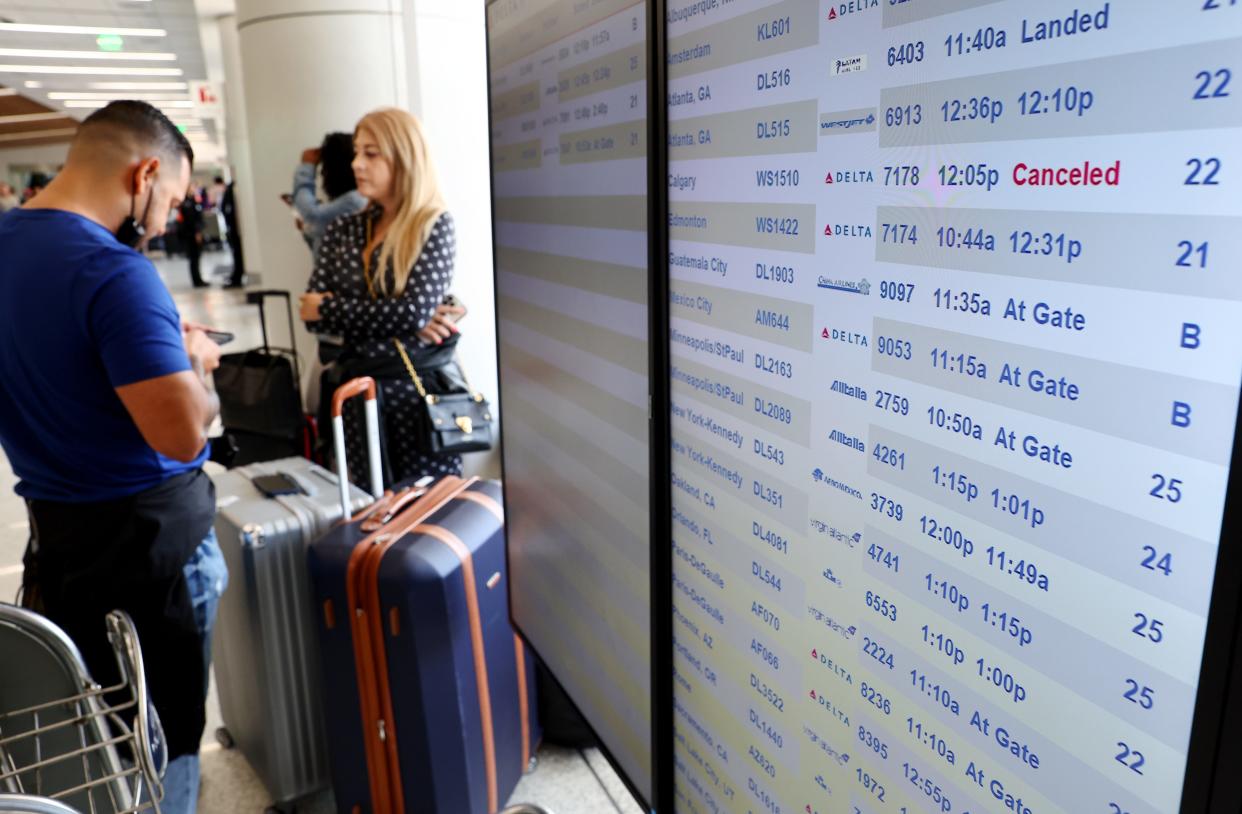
<point x="368" y="326"/>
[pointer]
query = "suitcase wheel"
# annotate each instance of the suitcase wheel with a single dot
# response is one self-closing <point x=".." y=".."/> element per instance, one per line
<point x="224" y="738"/>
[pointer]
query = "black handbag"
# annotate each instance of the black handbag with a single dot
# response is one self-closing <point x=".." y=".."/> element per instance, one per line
<point x="453" y="422"/>
<point x="454" y="418"/>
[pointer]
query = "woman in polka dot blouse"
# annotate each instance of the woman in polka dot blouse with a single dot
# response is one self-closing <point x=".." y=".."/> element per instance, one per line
<point x="381" y="275"/>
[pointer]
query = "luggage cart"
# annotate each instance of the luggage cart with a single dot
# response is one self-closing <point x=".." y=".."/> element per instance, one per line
<point x="67" y="744"/>
<point x="25" y="804"/>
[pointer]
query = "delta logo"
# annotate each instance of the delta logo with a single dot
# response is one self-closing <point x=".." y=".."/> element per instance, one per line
<point x="862" y="230"/>
<point x="862" y="176"/>
<point x="844" y="337"/>
<point x="854" y="7"/>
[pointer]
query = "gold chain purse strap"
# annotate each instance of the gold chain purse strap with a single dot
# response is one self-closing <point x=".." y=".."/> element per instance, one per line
<point x="405" y="357"/>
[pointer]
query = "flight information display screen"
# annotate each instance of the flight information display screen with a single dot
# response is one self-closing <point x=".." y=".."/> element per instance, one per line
<point x="956" y="351"/>
<point x="569" y="177"/>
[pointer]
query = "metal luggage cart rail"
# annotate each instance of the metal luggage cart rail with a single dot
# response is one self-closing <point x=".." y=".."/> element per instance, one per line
<point x="25" y="804"/>
<point x="63" y="738"/>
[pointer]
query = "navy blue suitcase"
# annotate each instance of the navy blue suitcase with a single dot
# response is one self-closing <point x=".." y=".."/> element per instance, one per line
<point x="429" y="694"/>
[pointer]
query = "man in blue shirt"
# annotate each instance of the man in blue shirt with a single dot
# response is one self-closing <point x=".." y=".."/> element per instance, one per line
<point x="105" y="399"/>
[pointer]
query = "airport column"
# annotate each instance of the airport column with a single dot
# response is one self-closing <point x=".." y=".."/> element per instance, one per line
<point x="441" y="33"/>
<point x="237" y="142"/>
<point x="308" y="67"/>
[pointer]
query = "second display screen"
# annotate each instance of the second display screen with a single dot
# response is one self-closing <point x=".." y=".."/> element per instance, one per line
<point x="956" y="350"/>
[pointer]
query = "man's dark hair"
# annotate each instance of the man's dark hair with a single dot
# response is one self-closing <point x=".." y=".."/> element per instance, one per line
<point x="336" y="156"/>
<point x="150" y="126"/>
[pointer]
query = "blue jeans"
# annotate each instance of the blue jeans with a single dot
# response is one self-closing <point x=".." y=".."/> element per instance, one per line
<point x="206" y="577"/>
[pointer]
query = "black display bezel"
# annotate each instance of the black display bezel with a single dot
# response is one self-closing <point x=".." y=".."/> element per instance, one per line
<point x="659" y="508"/>
<point x="1213" y="779"/>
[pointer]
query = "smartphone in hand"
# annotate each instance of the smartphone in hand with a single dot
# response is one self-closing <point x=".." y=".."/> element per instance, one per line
<point x="452" y="301"/>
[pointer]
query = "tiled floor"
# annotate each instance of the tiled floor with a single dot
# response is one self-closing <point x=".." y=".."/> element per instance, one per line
<point x="565" y="781"/>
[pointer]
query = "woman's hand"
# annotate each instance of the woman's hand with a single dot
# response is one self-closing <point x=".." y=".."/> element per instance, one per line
<point x="442" y="324"/>
<point x="310" y="302"/>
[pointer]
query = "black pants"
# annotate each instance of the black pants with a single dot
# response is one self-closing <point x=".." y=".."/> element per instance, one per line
<point x="128" y="554"/>
<point x="194" y="253"/>
<point x="239" y="263"/>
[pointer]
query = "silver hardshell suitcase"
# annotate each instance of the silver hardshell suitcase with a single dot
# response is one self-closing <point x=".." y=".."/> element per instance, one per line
<point x="265" y="648"/>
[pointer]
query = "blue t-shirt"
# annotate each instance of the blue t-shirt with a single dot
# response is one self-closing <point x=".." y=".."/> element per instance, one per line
<point x="80" y="315"/>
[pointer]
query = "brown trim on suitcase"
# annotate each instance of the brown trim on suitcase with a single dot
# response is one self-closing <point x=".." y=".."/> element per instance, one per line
<point x="480" y="655"/>
<point x="374" y="698"/>
<point x="486" y="502"/>
<point x="523" y="702"/>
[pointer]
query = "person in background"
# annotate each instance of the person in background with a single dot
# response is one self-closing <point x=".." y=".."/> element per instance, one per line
<point x="380" y="276"/>
<point x="104" y="412"/>
<point x="190" y="233"/>
<point x="8" y="198"/>
<point x="38" y="182"/>
<point x="334" y="159"/>
<point x="228" y="208"/>
<point x="215" y="193"/>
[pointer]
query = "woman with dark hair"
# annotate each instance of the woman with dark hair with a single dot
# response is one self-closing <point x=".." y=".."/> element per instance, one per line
<point x="333" y="158"/>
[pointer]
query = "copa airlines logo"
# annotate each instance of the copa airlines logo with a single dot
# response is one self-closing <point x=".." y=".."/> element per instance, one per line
<point x="848" y="286"/>
<point x="855" y="6"/>
<point x="845" y="65"/>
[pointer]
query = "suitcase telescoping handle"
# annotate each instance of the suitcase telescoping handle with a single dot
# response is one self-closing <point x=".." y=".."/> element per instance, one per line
<point x="363" y="385"/>
<point x="259" y="298"/>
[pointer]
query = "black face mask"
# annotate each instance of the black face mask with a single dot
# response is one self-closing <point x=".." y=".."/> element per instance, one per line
<point x="131" y="231"/>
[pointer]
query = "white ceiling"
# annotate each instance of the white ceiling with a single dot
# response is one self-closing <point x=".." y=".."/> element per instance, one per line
<point x="180" y="18"/>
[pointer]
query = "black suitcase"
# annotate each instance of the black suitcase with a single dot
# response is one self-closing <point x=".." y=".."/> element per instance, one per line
<point x="261" y="398"/>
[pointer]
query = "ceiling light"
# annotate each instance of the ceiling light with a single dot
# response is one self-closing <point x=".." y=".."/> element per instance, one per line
<point x="146" y="97"/>
<point x="97" y="103"/>
<point x="33" y="134"/>
<point x="89" y="70"/>
<point x="138" y="85"/>
<point x="28" y="28"/>
<point x="45" y="53"/>
<point x="21" y="118"/>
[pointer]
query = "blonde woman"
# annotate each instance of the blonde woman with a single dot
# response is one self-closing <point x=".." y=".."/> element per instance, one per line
<point x="379" y="281"/>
